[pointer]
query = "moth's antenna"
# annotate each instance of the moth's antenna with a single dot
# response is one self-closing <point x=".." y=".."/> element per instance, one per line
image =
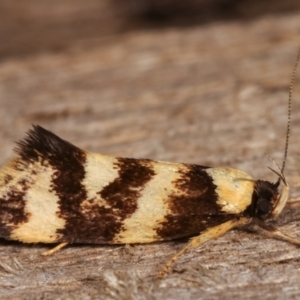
<point x="279" y="173"/>
<point x="288" y="129"/>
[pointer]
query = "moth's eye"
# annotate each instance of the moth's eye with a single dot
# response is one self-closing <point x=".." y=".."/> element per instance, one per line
<point x="264" y="206"/>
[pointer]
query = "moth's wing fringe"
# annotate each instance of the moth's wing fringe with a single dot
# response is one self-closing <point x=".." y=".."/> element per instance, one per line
<point x="38" y="146"/>
<point x="41" y="143"/>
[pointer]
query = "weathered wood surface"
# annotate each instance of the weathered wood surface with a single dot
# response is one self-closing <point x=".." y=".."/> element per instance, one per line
<point x="214" y="94"/>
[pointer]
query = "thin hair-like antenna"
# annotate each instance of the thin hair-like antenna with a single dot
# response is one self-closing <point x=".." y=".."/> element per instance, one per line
<point x="288" y="129"/>
<point x="279" y="173"/>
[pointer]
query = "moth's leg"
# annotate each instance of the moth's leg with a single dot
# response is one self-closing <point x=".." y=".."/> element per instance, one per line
<point x="273" y="232"/>
<point x="209" y="234"/>
<point x="293" y="200"/>
<point x="55" y="249"/>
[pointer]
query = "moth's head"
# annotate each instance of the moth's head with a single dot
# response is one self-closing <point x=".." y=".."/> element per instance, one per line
<point x="267" y="202"/>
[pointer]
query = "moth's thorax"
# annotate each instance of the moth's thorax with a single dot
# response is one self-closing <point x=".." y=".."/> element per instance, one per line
<point x="265" y="199"/>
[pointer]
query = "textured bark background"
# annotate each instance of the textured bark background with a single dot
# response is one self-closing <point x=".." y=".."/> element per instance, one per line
<point x="210" y="89"/>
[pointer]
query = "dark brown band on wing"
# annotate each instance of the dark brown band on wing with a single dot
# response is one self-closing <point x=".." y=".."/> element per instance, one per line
<point x="90" y="222"/>
<point x="12" y="209"/>
<point x="67" y="162"/>
<point x="122" y="194"/>
<point x="194" y="207"/>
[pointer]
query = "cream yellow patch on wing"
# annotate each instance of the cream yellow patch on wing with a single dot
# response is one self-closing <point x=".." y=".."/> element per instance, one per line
<point x="234" y="188"/>
<point x="152" y="206"/>
<point x="42" y="207"/>
<point x="99" y="172"/>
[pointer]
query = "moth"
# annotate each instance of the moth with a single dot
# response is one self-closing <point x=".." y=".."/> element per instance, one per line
<point x="54" y="192"/>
